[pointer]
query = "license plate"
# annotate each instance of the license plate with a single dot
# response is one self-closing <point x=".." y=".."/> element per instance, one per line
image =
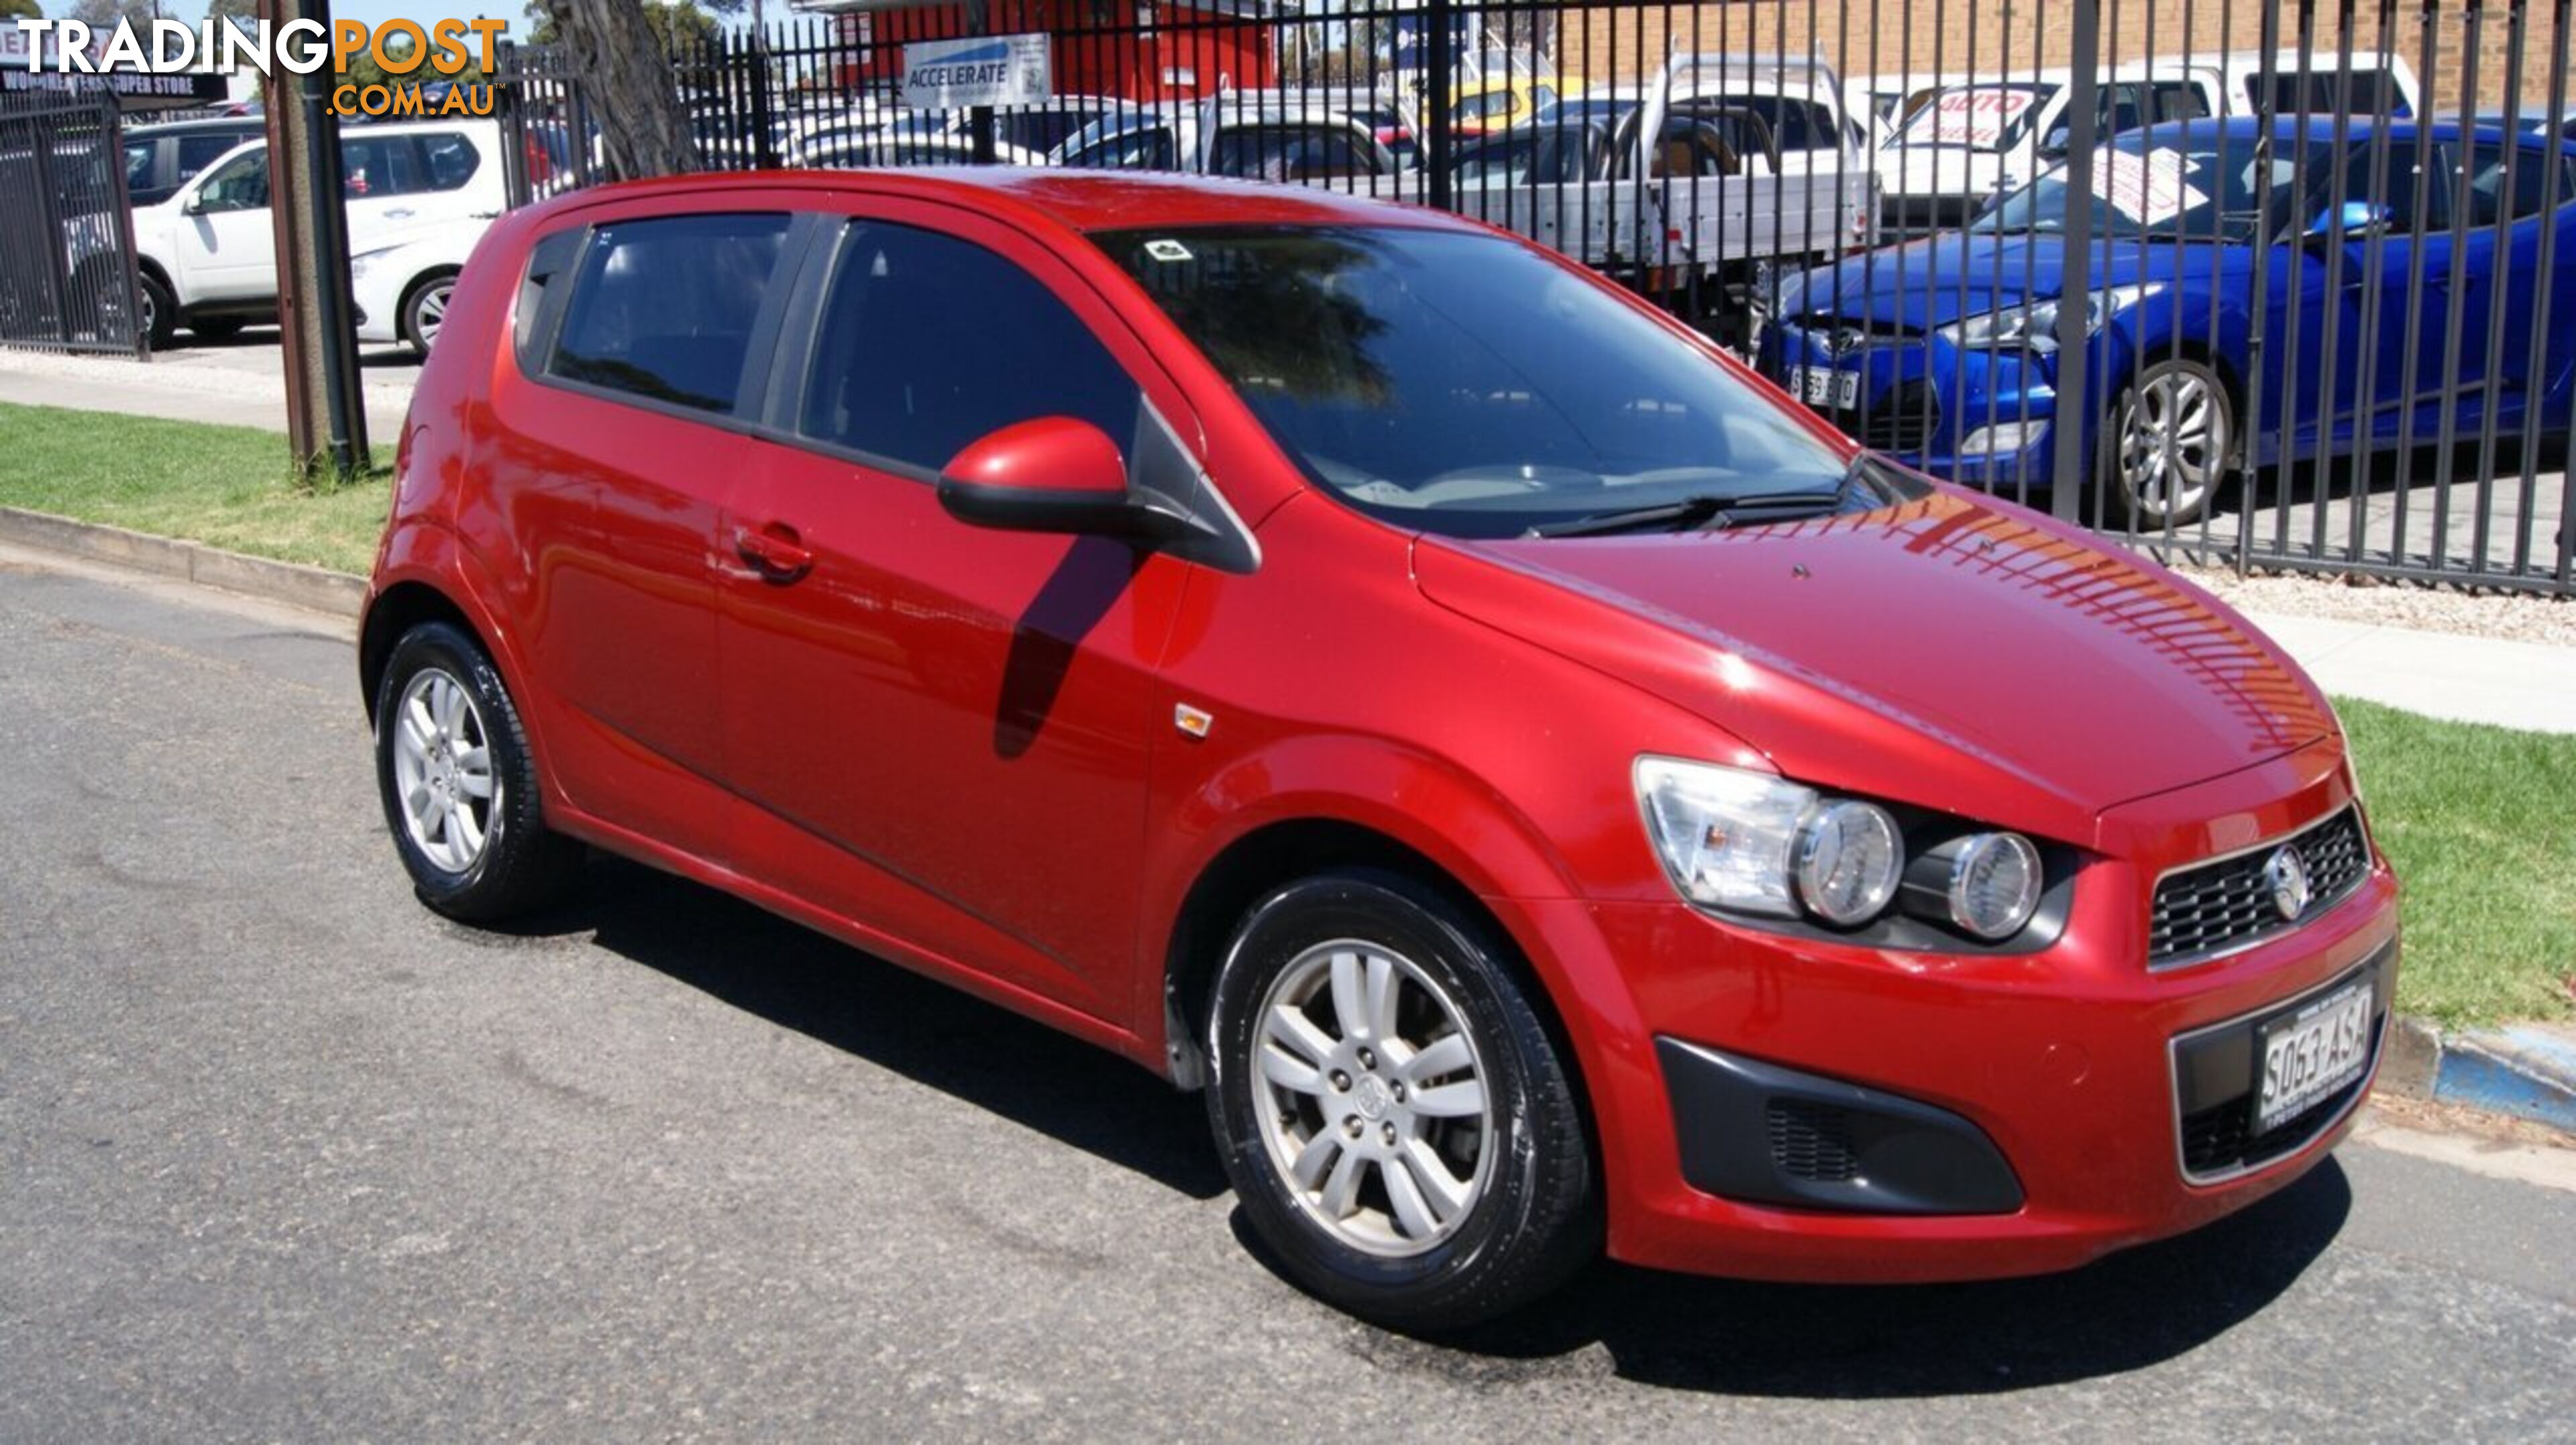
<point x="1824" y="386"/>
<point x="2310" y="1054"/>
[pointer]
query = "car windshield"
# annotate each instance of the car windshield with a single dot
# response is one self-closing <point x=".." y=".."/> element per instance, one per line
<point x="2206" y="189"/>
<point x="1463" y="384"/>
<point x="1978" y="117"/>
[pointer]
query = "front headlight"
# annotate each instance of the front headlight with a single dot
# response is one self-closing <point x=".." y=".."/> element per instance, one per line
<point x="1726" y="835"/>
<point x="1753" y="843"/>
<point x="2033" y="326"/>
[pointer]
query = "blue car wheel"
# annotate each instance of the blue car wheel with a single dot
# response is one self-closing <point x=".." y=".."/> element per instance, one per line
<point x="2169" y="446"/>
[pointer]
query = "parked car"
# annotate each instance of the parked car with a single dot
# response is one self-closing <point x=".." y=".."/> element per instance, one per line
<point x="1944" y="352"/>
<point x="207" y="255"/>
<point x="1310" y="137"/>
<point x="1547" y="791"/>
<point x="161" y="158"/>
<point x="1697" y="192"/>
<point x="1966" y="144"/>
<point x="911" y="141"/>
<point x="401" y="283"/>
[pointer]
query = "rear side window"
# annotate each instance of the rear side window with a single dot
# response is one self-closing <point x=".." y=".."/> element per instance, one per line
<point x="928" y="342"/>
<point x="2358" y="92"/>
<point x="2498" y="191"/>
<point x="663" y="309"/>
<point x="379" y="165"/>
<point x="546" y="267"/>
<point x="447" y="160"/>
<point x="198" y="151"/>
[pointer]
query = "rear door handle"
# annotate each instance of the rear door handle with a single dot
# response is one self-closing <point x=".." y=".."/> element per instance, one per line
<point x="779" y="554"/>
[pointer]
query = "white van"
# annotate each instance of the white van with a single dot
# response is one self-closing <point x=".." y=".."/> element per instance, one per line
<point x="1972" y="140"/>
<point x="207" y="256"/>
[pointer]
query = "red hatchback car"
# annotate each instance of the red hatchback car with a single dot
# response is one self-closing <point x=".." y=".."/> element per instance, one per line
<point x="1547" y="790"/>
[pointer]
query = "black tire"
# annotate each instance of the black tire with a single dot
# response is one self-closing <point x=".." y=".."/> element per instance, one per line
<point x="2181" y="495"/>
<point x="160" y="313"/>
<point x="1532" y="1222"/>
<point x="215" y="328"/>
<point x="521" y="865"/>
<point x="420" y="327"/>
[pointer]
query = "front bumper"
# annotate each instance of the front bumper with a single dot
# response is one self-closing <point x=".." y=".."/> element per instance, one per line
<point x="2062" y="1061"/>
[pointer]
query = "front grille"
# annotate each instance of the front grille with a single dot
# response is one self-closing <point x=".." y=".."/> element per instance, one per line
<point x="1901" y="421"/>
<point x="1811" y="1141"/>
<point x="2217" y="906"/>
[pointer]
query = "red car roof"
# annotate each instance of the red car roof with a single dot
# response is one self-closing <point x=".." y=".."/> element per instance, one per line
<point x="1080" y="200"/>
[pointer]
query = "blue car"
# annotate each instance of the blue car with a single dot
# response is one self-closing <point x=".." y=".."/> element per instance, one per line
<point x="1943" y="352"/>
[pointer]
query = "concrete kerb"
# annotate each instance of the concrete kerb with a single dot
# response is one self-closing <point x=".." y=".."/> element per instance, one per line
<point x="2525" y="1070"/>
<point x="316" y="589"/>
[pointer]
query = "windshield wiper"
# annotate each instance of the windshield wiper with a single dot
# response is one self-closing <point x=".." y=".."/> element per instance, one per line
<point x="1707" y="510"/>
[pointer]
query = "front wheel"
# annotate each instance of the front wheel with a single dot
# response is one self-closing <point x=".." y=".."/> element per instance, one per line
<point x="2167" y="447"/>
<point x="460" y="785"/>
<point x="1391" y="1109"/>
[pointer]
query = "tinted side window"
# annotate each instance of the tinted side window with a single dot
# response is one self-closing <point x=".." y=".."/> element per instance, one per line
<point x="2494" y="195"/>
<point x="546" y="265"/>
<point x="378" y="165"/>
<point x="139" y="155"/>
<point x="2411" y="207"/>
<point x="2177" y="100"/>
<point x="928" y="342"/>
<point x="198" y="151"/>
<point x="664" y="308"/>
<point x="240" y="185"/>
<point x="447" y="161"/>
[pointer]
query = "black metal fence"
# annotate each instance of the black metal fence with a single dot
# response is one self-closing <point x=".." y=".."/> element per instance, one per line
<point x="2241" y="281"/>
<point x="66" y="237"/>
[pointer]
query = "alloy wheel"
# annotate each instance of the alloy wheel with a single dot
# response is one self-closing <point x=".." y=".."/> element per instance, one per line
<point x="1371" y="1098"/>
<point x="443" y="770"/>
<point x="429" y="312"/>
<point x="2172" y="441"/>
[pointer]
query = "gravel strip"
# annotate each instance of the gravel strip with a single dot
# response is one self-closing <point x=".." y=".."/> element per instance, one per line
<point x="2510" y="616"/>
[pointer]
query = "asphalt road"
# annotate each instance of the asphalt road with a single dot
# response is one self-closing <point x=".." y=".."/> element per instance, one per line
<point x="281" y="1155"/>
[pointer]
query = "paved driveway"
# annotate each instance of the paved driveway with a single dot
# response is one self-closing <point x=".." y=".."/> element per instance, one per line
<point x="282" y="1155"/>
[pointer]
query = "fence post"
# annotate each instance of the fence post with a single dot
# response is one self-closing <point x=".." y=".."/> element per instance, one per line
<point x="1439" y="64"/>
<point x="2069" y="465"/>
<point x="764" y="147"/>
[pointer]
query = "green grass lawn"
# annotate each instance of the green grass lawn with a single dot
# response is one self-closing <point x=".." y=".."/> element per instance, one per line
<point x="229" y="486"/>
<point x="2477" y="820"/>
<point x="2480" y="824"/>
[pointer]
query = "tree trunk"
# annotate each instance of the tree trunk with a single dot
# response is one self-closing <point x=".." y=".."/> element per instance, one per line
<point x="630" y="85"/>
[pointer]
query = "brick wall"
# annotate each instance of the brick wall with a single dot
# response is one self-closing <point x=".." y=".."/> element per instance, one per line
<point x="1887" y="37"/>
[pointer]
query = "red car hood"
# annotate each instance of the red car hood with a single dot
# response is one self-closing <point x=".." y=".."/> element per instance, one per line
<point x="2047" y="679"/>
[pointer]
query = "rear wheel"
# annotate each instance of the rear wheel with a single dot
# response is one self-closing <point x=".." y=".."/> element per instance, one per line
<point x="459" y="783"/>
<point x="425" y="311"/>
<point x="2167" y="447"/>
<point x="1391" y="1109"/>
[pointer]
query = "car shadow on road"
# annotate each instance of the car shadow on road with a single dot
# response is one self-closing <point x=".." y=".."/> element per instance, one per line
<point x="1843" y="1342"/>
<point x="930" y="1033"/>
<point x="2132" y="1310"/>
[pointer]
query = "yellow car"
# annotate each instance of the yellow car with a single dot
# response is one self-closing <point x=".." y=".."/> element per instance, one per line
<point x="1484" y="107"/>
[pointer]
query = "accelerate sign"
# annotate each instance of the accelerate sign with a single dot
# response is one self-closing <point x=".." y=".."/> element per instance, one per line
<point x="988" y="70"/>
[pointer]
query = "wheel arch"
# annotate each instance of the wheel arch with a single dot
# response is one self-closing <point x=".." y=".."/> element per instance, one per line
<point x="1281" y="851"/>
<point x="395" y="611"/>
